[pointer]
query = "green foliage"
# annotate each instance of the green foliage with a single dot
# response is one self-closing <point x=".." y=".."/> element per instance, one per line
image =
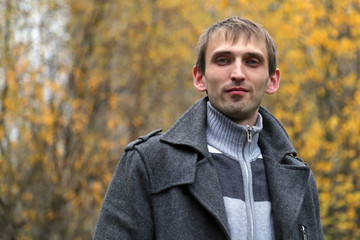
<point x="80" y="79"/>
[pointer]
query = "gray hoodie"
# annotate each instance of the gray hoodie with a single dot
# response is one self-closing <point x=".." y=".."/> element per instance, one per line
<point x="242" y="176"/>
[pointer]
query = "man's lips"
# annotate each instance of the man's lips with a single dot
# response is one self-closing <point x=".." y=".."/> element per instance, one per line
<point x="237" y="90"/>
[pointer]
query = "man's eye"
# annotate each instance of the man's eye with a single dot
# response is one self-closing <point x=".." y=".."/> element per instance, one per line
<point x="222" y="61"/>
<point x="253" y="62"/>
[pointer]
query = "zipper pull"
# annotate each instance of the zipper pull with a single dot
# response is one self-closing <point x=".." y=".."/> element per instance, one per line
<point x="303" y="230"/>
<point x="249" y="136"/>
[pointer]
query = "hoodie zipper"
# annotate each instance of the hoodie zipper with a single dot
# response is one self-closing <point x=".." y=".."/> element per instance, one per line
<point x="247" y="170"/>
<point x="249" y="135"/>
<point x="303" y="231"/>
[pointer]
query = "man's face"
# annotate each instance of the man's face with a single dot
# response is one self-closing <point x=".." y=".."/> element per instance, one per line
<point x="236" y="77"/>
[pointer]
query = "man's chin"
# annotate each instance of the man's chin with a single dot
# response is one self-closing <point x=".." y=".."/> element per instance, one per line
<point x="242" y="116"/>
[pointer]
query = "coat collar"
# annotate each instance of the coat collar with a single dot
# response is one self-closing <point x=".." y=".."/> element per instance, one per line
<point x="190" y="130"/>
<point x="274" y="141"/>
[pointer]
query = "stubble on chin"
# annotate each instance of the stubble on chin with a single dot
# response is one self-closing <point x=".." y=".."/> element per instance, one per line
<point x="239" y="115"/>
<point x="239" y="112"/>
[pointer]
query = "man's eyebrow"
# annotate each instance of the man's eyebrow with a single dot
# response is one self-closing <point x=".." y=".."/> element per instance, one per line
<point x="218" y="53"/>
<point x="257" y="55"/>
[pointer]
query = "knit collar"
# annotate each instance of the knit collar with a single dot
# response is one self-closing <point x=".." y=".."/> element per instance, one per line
<point x="231" y="138"/>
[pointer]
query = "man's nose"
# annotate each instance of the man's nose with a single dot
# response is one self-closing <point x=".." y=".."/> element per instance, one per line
<point x="237" y="71"/>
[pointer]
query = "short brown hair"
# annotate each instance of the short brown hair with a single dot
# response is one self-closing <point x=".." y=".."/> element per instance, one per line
<point x="233" y="27"/>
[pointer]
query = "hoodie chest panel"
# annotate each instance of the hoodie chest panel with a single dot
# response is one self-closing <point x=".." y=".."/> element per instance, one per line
<point x="232" y="180"/>
<point x="247" y="201"/>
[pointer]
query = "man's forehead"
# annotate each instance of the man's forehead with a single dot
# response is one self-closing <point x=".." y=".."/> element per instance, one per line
<point x="222" y="36"/>
<point x="233" y="36"/>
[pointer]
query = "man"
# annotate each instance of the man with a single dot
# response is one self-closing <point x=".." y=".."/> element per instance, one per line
<point x="226" y="169"/>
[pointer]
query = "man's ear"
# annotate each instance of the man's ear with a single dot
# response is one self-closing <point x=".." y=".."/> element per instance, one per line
<point x="199" y="80"/>
<point x="274" y="83"/>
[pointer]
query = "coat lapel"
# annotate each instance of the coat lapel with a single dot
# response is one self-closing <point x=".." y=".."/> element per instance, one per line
<point x="288" y="178"/>
<point x="190" y="132"/>
<point x="287" y="184"/>
<point x="207" y="190"/>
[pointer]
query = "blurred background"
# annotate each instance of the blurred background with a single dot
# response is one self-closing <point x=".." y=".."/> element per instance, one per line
<point x="79" y="79"/>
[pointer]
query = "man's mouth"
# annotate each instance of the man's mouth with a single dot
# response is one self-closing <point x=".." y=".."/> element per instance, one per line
<point x="237" y="91"/>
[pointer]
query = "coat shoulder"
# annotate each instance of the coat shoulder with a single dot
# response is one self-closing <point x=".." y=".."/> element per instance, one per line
<point x="167" y="165"/>
<point x="142" y="139"/>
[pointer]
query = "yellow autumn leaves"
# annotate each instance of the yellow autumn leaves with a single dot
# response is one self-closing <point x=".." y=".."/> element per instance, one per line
<point x="122" y="68"/>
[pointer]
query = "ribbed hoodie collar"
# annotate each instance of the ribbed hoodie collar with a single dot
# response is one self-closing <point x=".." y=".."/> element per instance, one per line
<point x="231" y="138"/>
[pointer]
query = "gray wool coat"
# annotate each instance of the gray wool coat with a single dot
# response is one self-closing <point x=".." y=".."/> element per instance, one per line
<point x="166" y="186"/>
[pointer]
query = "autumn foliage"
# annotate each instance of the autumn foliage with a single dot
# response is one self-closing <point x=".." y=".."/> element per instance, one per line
<point x="80" y="79"/>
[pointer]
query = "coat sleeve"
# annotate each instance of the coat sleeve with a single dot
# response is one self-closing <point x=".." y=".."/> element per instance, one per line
<point x="317" y="206"/>
<point x="126" y="209"/>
